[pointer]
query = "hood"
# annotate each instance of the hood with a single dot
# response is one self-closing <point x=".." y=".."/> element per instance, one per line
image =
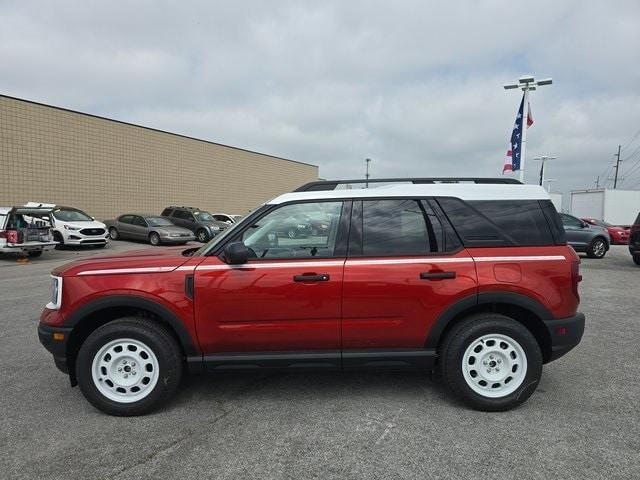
<point x="167" y="259"/>
<point x="81" y="225"/>
<point x="215" y="223"/>
<point x="172" y="229"/>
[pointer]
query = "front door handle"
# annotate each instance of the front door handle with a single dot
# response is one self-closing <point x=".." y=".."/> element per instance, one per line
<point x="437" y="275"/>
<point x="311" y="277"/>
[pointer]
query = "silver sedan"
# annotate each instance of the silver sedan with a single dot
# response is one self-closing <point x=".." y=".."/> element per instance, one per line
<point x="151" y="228"/>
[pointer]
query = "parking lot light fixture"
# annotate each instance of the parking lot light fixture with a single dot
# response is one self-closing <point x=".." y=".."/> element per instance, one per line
<point x="526" y="83"/>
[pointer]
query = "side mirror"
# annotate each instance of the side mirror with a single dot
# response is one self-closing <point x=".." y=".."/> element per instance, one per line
<point x="236" y="253"/>
<point x="585" y="225"/>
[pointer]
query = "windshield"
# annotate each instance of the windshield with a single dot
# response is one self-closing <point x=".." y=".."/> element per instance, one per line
<point x="71" y="215"/>
<point x="158" y="222"/>
<point x="203" y="217"/>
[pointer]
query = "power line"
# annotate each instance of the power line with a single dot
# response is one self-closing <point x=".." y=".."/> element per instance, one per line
<point x="635" y="135"/>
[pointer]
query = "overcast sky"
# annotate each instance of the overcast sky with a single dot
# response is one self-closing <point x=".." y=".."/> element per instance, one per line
<point x="416" y="86"/>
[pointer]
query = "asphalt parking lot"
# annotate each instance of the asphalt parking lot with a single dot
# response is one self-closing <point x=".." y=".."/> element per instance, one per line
<point x="582" y="422"/>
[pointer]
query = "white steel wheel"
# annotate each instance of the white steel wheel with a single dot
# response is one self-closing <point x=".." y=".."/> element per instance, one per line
<point x="125" y="370"/>
<point x="494" y="365"/>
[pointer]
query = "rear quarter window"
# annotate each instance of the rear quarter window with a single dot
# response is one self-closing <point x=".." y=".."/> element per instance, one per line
<point x="499" y="222"/>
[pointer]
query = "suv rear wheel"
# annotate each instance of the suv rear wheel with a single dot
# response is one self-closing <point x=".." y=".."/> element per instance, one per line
<point x="129" y="367"/>
<point x="491" y="362"/>
<point x="597" y="248"/>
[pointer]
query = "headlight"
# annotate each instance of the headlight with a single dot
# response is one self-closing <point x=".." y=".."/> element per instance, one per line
<point x="56" y="293"/>
<point x="71" y="227"/>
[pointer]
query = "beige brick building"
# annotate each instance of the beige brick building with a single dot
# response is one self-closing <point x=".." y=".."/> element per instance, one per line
<point x="108" y="167"/>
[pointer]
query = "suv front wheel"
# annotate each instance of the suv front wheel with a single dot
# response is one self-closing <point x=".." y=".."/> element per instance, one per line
<point x="491" y="362"/>
<point x="129" y="367"/>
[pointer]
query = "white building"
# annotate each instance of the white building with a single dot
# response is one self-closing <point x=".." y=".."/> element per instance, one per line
<point x="619" y="207"/>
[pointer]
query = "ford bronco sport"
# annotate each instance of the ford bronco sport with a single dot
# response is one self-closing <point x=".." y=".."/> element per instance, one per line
<point x="472" y="279"/>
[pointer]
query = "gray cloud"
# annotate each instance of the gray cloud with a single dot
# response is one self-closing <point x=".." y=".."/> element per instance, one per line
<point x="414" y="85"/>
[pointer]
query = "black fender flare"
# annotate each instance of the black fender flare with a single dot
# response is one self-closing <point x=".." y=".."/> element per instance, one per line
<point x="133" y="301"/>
<point x="484" y="298"/>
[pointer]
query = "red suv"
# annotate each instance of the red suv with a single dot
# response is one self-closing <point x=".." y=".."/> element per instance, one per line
<point x="474" y="279"/>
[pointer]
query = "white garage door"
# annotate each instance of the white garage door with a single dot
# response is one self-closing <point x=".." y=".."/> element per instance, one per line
<point x="587" y="204"/>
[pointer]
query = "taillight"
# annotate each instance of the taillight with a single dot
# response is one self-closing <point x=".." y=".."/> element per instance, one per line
<point x="576" y="278"/>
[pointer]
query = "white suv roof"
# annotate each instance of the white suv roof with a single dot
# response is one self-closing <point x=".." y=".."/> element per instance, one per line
<point x="463" y="191"/>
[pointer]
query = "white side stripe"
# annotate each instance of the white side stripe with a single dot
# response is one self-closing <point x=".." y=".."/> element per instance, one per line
<point x="331" y="263"/>
<point x="128" y="270"/>
<point x="530" y="258"/>
<point x="302" y="264"/>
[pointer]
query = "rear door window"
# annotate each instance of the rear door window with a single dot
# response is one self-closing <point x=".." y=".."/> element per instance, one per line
<point x="395" y="227"/>
<point x="167" y="212"/>
<point x="183" y="215"/>
<point x="126" y="219"/>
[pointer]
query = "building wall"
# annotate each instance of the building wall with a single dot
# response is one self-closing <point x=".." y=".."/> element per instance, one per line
<point x="105" y="167"/>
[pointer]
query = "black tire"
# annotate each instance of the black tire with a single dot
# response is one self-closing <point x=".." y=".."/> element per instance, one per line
<point x="34" y="253"/>
<point x="636" y="259"/>
<point x="154" y="239"/>
<point x="114" y="234"/>
<point x="456" y="342"/>
<point x="597" y="248"/>
<point x="57" y="237"/>
<point x="202" y="235"/>
<point x="158" y="340"/>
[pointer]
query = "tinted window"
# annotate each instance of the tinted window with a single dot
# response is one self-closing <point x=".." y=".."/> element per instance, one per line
<point x="554" y="221"/>
<point x="499" y="222"/>
<point x="290" y="232"/>
<point x="166" y="212"/>
<point x="569" y="221"/>
<point x="139" y="221"/>
<point x="183" y="215"/>
<point x="71" y="215"/>
<point x="394" y="227"/>
<point x="126" y="219"/>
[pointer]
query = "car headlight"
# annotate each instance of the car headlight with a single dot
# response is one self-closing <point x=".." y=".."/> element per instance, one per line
<point x="56" y="293"/>
<point x="71" y="227"/>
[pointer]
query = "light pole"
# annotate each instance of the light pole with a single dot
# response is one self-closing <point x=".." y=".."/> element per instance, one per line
<point x="526" y="84"/>
<point x="543" y="159"/>
<point x="549" y="182"/>
<point x="366" y="176"/>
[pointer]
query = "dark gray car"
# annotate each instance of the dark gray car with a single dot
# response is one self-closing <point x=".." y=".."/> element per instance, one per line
<point x="583" y="237"/>
<point x="198" y="221"/>
<point x="150" y="228"/>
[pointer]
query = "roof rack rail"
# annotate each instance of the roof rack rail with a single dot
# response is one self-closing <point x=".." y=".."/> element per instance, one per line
<point x="332" y="184"/>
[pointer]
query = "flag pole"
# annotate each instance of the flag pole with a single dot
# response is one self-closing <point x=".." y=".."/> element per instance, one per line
<point x="525" y="118"/>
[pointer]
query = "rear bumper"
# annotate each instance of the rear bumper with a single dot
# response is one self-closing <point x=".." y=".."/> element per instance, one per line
<point x="57" y="347"/>
<point x="565" y="334"/>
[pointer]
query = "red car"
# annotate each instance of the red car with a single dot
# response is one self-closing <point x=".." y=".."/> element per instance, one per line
<point x="619" y="235"/>
<point x="475" y="280"/>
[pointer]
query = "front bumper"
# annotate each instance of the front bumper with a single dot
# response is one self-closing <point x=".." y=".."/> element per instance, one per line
<point x="168" y="239"/>
<point x="565" y="334"/>
<point x="55" y="344"/>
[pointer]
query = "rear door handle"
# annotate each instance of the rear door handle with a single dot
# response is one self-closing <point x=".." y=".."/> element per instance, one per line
<point x="437" y="275"/>
<point x="311" y="277"/>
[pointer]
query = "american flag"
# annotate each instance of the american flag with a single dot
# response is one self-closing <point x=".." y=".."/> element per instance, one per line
<point x="512" y="162"/>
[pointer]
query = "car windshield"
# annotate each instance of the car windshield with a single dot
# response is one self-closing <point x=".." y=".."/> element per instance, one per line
<point x="203" y="216"/>
<point x="158" y="222"/>
<point x="71" y="215"/>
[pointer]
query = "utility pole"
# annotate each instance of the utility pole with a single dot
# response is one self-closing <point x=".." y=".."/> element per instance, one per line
<point x="598" y="182"/>
<point x="366" y="176"/>
<point x="617" y="155"/>
<point x="526" y="84"/>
